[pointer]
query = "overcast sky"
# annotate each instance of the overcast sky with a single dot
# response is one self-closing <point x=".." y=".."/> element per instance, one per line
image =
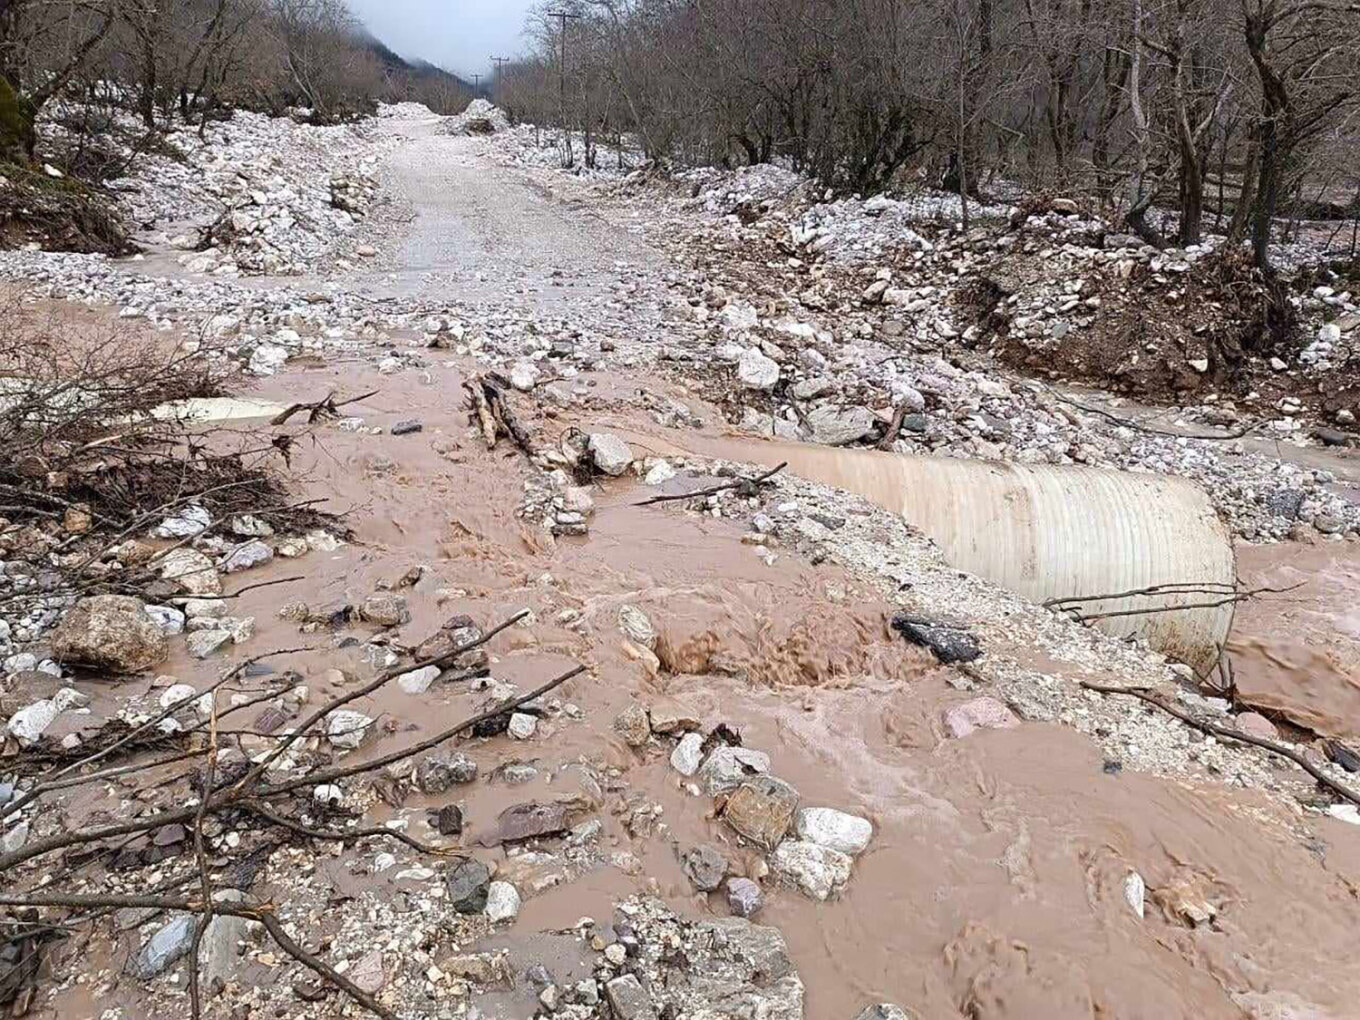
<point x="460" y="35"/>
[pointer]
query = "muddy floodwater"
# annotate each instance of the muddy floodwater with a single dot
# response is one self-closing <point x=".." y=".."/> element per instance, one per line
<point x="1296" y="652"/>
<point x="997" y="882"/>
<point x="1075" y="852"/>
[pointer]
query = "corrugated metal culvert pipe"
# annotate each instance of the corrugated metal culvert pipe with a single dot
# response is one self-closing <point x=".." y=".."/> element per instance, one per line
<point x="1139" y="542"/>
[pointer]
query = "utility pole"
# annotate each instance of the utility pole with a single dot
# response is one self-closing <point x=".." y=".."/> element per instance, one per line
<point x="562" y="17"/>
<point x="476" y="83"/>
<point x="500" y="63"/>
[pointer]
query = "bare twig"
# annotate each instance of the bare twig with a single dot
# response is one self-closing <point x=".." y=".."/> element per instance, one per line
<point x="383" y="678"/>
<point x="345" y="835"/>
<point x="326" y="407"/>
<point x="1144" y="694"/>
<point x="736" y="483"/>
<point x="263" y="914"/>
<point x="127" y="738"/>
<point x="201" y="859"/>
<point x="331" y="775"/>
<point x="1148" y="429"/>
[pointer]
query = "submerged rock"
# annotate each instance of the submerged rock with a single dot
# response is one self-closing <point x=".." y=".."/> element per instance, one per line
<point x="980" y="713"/>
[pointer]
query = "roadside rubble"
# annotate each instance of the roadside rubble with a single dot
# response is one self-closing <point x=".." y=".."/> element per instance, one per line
<point x="428" y="772"/>
<point x="256" y="195"/>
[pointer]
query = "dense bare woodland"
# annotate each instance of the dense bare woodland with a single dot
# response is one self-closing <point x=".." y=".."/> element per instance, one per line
<point x="1225" y="115"/>
<point x="762" y="510"/>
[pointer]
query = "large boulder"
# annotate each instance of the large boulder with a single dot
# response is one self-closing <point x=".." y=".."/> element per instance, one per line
<point x="112" y="632"/>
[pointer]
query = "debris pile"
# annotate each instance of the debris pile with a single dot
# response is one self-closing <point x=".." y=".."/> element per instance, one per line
<point x="482" y="117"/>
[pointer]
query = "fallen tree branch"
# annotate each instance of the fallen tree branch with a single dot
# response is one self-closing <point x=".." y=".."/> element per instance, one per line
<point x="1148" y="429"/>
<point x="496" y="386"/>
<point x="1230" y="596"/>
<point x="383" y="678"/>
<point x="263" y="914"/>
<point x="748" y="484"/>
<point x="343" y="836"/>
<point x="326" y="407"/>
<point x="894" y="428"/>
<point x="42" y="786"/>
<point x="331" y="775"/>
<point x="481" y="410"/>
<point x="1144" y="694"/>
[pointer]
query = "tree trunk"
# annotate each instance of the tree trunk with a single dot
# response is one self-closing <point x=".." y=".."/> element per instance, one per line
<point x="1192" y="195"/>
<point x="1246" y="197"/>
<point x="1267" y="194"/>
<point x="147" y="99"/>
<point x="18" y="138"/>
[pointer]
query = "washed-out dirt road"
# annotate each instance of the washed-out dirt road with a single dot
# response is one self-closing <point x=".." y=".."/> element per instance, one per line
<point x="999" y="878"/>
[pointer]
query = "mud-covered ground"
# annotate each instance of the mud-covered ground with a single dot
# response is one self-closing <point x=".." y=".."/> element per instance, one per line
<point x="1009" y="844"/>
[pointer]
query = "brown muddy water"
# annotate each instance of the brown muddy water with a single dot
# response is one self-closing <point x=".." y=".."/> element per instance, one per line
<point x="1297" y="653"/>
<point x="994" y="886"/>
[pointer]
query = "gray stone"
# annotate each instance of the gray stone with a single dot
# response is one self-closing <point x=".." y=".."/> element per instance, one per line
<point x="435" y="775"/>
<point x="1331" y="437"/>
<point x="28" y="724"/>
<point x="502" y="901"/>
<point x="406" y="427"/>
<point x="688" y="754"/>
<point x="165" y="947"/>
<point x="1284" y="503"/>
<point x="628" y="999"/>
<point x="203" y="643"/>
<point x="346" y="728"/>
<point x="368" y="972"/>
<point x="817" y="871"/>
<point x="192" y="571"/>
<point x="727" y="767"/>
<point x="828" y="827"/>
<point x="249" y="526"/>
<point x="111" y="632"/>
<point x="1329" y="524"/>
<point x="761" y="809"/>
<point x="169" y="619"/>
<point x="633" y="725"/>
<point x="885" y="1011"/>
<point x="192" y="520"/>
<point x="218" y="957"/>
<point x="757" y="372"/>
<point x="522" y="726"/>
<point x="704" y="866"/>
<point x="250" y="554"/>
<point x="811" y="389"/>
<point x="744" y="897"/>
<point x="610" y="454"/>
<point x="385" y="609"/>
<point x="418" y="681"/>
<point x="837" y="426"/>
<point x="468" y="882"/>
